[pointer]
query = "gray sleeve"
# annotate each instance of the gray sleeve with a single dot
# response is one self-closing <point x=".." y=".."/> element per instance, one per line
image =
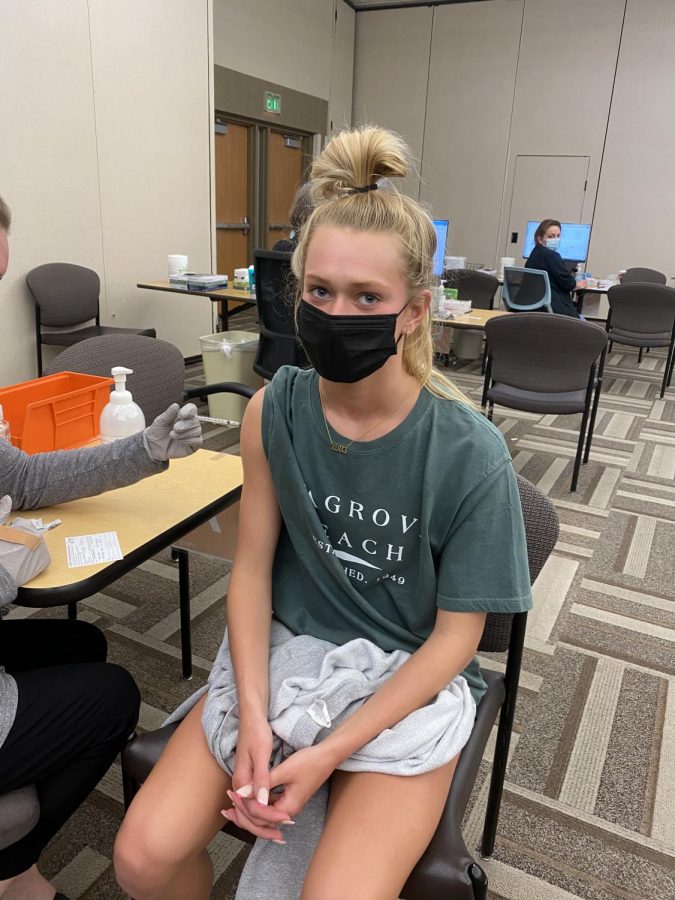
<point x="7" y="588"/>
<point x="48" y="478"/>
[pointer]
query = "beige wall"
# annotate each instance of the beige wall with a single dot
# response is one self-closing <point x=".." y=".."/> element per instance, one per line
<point x="634" y="220"/>
<point x="287" y="42"/>
<point x="104" y="157"/>
<point x="391" y="63"/>
<point x="342" y="68"/>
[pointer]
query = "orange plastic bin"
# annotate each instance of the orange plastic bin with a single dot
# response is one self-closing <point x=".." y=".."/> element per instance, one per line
<point x="57" y="412"/>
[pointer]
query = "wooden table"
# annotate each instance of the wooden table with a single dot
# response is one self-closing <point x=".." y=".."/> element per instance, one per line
<point x="230" y="300"/>
<point x="148" y="517"/>
<point x="475" y="319"/>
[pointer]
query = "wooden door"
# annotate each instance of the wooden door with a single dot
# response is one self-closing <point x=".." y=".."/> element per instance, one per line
<point x="233" y="216"/>
<point x="545" y="187"/>
<point x="285" y="157"/>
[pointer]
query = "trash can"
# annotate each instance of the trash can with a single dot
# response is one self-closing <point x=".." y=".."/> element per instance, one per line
<point x="467" y="343"/>
<point x="229" y="356"/>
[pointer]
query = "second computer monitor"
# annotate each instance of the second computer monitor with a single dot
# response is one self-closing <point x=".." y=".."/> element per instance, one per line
<point x="574" y="240"/>
<point x="441" y="226"/>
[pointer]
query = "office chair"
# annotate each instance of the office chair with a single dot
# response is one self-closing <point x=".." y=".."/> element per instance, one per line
<point x="67" y="295"/>
<point x="526" y="290"/>
<point x="545" y="364"/>
<point x="643" y="315"/>
<point x="158" y="380"/>
<point x="275" y="288"/>
<point x="643" y="276"/>
<point x="447" y="868"/>
<point x="478" y="288"/>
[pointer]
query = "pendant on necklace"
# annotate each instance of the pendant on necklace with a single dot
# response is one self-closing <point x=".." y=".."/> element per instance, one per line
<point x="338" y="448"/>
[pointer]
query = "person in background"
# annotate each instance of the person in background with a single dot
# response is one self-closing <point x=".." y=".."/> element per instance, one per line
<point x="298" y="214"/>
<point x="545" y="256"/>
<point x="65" y="713"/>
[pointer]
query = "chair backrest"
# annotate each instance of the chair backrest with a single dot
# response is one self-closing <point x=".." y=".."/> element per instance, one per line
<point x="66" y="294"/>
<point x="159" y="369"/>
<point x="642" y="308"/>
<point x="645" y="276"/>
<point x="19" y="814"/>
<point x="543" y="353"/>
<point x="541" y="534"/>
<point x="477" y="287"/>
<point x="276" y="287"/>
<point x="525" y="290"/>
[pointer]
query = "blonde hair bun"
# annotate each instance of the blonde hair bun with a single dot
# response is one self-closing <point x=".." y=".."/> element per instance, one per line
<point x="356" y="159"/>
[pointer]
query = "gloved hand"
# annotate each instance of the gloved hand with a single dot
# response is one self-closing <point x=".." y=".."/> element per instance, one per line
<point x="23" y="552"/>
<point x="175" y="433"/>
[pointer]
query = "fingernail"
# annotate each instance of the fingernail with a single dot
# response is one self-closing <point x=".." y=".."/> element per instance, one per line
<point x="275" y="841"/>
<point x="230" y="795"/>
<point x="288" y="822"/>
<point x="263" y="796"/>
<point x="227" y="813"/>
<point x="245" y="791"/>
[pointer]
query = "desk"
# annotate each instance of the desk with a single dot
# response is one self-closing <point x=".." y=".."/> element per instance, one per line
<point x="580" y="296"/>
<point x="232" y="301"/>
<point x="148" y="517"/>
<point x="475" y="319"/>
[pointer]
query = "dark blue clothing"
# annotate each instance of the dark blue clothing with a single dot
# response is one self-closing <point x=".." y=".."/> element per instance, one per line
<point x="562" y="282"/>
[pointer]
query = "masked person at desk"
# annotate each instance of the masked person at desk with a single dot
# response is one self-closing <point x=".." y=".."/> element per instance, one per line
<point x="64" y="712"/>
<point x="545" y="256"/>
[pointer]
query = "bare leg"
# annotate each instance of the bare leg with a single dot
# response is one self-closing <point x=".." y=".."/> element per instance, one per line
<point x="376" y="829"/>
<point x="29" y="885"/>
<point x="160" y="851"/>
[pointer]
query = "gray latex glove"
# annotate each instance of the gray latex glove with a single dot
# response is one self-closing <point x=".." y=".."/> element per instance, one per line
<point x="175" y="433"/>
<point x="22" y="561"/>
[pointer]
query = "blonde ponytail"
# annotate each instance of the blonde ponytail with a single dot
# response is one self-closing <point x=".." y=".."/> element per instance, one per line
<point x="351" y="189"/>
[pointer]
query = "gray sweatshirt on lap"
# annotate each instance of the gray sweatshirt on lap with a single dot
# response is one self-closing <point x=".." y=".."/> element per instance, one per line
<point x="49" y="478"/>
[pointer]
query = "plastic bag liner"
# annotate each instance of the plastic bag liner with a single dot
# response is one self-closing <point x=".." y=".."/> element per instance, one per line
<point x="236" y="342"/>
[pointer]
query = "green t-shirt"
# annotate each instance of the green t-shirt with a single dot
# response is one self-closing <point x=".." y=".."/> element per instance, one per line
<point x="374" y="540"/>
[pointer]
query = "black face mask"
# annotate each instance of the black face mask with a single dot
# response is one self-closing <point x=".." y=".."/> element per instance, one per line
<point x="346" y="348"/>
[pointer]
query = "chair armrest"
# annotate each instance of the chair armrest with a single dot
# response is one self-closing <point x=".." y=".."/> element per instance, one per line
<point x="223" y="387"/>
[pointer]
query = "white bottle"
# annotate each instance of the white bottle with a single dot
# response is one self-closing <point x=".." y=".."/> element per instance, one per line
<point x="5" y="434"/>
<point x="121" y="416"/>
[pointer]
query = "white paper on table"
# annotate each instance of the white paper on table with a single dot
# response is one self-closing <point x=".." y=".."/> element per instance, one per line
<point x="91" y="549"/>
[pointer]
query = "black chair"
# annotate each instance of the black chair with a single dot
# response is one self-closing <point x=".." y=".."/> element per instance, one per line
<point x="275" y="288"/>
<point x="643" y="276"/>
<point x="545" y="364"/>
<point x="67" y="295"/>
<point x="643" y="315"/>
<point x="526" y="290"/>
<point x="478" y="288"/>
<point x="158" y="380"/>
<point x="447" y="868"/>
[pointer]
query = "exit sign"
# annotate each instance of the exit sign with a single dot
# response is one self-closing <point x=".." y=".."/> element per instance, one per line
<point x="273" y="103"/>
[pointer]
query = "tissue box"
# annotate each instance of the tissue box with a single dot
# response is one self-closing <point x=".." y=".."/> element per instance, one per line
<point x="241" y="279"/>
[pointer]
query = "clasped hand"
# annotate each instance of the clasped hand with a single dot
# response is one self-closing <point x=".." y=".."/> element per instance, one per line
<point x="256" y="806"/>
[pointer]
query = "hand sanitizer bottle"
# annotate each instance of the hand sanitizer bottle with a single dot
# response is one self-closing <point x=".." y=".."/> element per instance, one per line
<point x="5" y="434"/>
<point x="121" y="417"/>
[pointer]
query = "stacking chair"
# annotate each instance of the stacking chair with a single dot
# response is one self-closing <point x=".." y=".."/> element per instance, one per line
<point x="275" y="287"/>
<point x="643" y="315"/>
<point x="158" y="380"/>
<point x="545" y="364"/>
<point x="67" y="295"/>
<point x="526" y="290"/>
<point x="447" y="868"/>
<point x="19" y="814"/>
<point x="643" y="276"/>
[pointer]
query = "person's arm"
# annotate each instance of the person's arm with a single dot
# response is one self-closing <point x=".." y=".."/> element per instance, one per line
<point x="45" y="479"/>
<point x="8" y="588"/>
<point x="249" y="604"/>
<point x="559" y="272"/>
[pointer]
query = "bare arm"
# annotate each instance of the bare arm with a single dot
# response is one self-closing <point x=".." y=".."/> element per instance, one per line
<point x="249" y="598"/>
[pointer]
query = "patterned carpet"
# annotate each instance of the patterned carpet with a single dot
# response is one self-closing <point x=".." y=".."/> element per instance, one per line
<point x="589" y="805"/>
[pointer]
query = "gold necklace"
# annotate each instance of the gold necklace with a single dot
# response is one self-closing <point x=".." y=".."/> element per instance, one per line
<point x="343" y="448"/>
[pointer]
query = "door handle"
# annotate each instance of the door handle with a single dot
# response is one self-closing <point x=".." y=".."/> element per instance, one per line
<point x="277" y="227"/>
<point x="233" y="226"/>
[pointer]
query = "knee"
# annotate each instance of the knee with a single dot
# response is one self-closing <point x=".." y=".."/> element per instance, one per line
<point x="140" y="868"/>
<point x="88" y="643"/>
<point x="119" y="696"/>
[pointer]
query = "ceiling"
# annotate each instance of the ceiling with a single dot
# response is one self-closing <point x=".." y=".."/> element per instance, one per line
<point x="364" y="5"/>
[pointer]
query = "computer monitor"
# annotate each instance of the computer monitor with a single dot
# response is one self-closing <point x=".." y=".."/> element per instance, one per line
<point x="441" y="226"/>
<point x="574" y="240"/>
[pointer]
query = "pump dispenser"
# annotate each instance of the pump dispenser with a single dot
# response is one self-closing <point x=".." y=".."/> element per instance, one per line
<point x="121" y="416"/>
